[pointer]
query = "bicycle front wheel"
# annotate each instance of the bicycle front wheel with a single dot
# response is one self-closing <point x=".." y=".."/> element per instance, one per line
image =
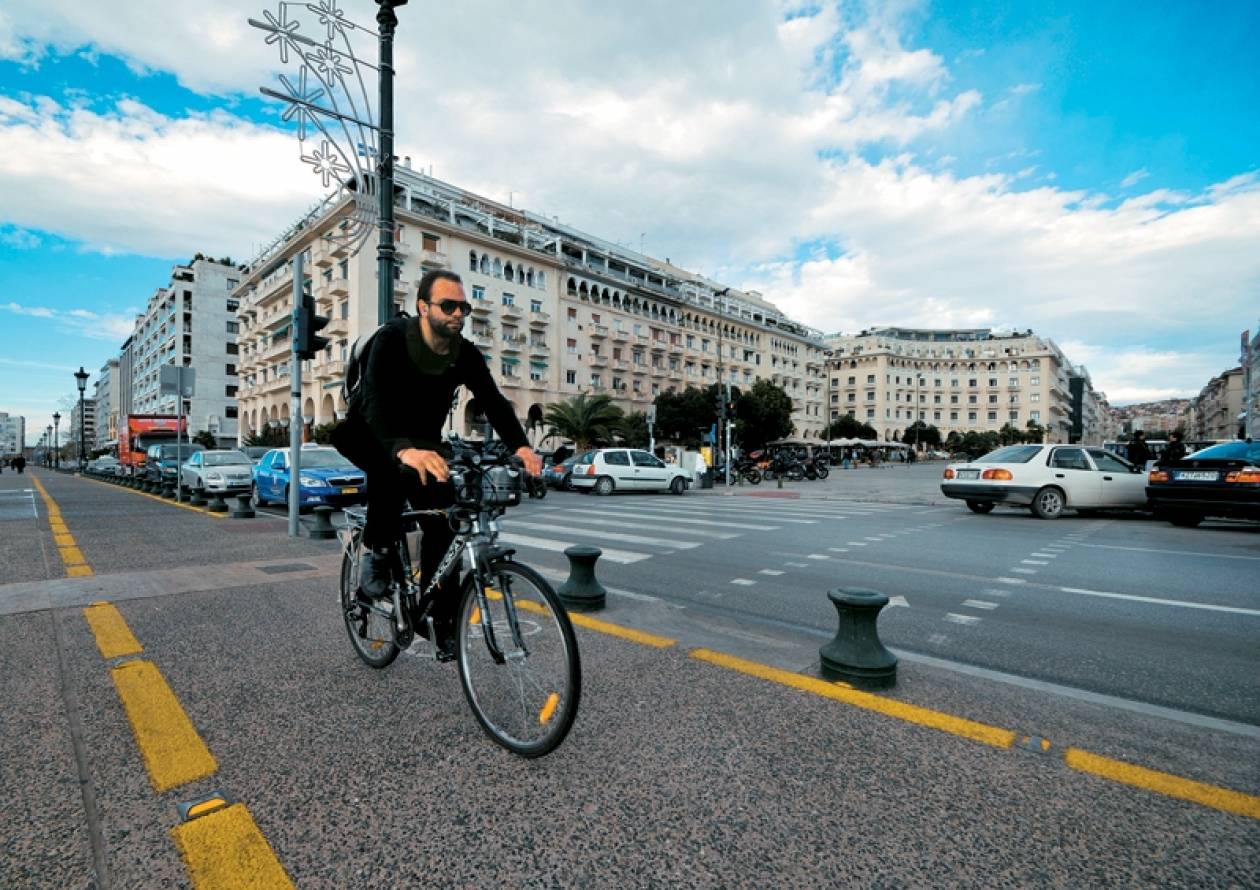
<point x="518" y="659"/>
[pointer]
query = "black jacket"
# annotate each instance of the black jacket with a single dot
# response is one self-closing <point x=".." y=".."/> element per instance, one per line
<point x="404" y="406"/>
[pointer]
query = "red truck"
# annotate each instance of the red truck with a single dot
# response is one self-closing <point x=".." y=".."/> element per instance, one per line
<point x="139" y="432"/>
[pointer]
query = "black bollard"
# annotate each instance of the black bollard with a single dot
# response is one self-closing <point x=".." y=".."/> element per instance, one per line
<point x="217" y="504"/>
<point x="195" y="499"/>
<point x="582" y="592"/>
<point x="168" y="490"/>
<point x="856" y="655"/>
<point x="244" y="509"/>
<point x="322" y="528"/>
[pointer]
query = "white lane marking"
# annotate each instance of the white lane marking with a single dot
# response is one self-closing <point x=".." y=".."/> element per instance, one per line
<point x="797" y="565"/>
<point x="1235" y="610"/>
<point x="979" y="604"/>
<point x="1024" y="571"/>
<point x="1011" y="580"/>
<point x="743" y="582"/>
<point x="856" y="543"/>
<point x="876" y="539"/>
<point x="1045" y="555"/>
<point x="995" y="591"/>
<point x="819" y="556"/>
<point x="962" y="619"/>
<point x="838" y="549"/>
<point x="717" y="512"/>
<point x="898" y="601"/>
<point x="771" y="572"/>
<point x="655" y="527"/>
<point x="624" y="557"/>
<point x="938" y="639"/>
<point x="603" y="535"/>
<point x="1173" y="552"/>
<point x="704" y="522"/>
<point x="1034" y="562"/>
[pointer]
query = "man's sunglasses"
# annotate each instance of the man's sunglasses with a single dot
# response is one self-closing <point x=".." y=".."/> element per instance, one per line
<point x="450" y="307"/>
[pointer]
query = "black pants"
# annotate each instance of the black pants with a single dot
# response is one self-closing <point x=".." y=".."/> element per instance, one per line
<point x="391" y="488"/>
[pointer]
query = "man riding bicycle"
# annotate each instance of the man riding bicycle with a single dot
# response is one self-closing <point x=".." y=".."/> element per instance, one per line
<point x="393" y="431"/>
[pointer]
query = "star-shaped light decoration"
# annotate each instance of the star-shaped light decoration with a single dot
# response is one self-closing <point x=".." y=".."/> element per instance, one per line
<point x="329" y="64"/>
<point x="281" y="31"/>
<point x="296" y="110"/>
<point x="330" y="16"/>
<point x="327" y="163"/>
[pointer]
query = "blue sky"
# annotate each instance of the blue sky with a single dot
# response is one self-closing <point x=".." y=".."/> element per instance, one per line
<point x="1087" y="170"/>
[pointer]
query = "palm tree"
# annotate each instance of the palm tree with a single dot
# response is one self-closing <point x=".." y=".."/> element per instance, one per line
<point x="586" y="421"/>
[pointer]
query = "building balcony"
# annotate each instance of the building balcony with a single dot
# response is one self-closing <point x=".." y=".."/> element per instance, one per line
<point x="539" y="349"/>
<point x="512" y="343"/>
<point x="658" y="346"/>
<point x="598" y="361"/>
<point x="621" y="364"/>
<point x="510" y="311"/>
<point x="539" y="318"/>
<point x="483" y="339"/>
<point x="538" y="385"/>
<point x="597" y="331"/>
<point x="510" y="381"/>
<point x="330" y="370"/>
<point x="338" y="287"/>
<point x="481" y="308"/>
<point x="434" y="259"/>
<point x="275" y="385"/>
<point x="337" y="326"/>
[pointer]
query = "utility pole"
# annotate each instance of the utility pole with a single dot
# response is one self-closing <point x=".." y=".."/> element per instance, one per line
<point x="724" y="425"/>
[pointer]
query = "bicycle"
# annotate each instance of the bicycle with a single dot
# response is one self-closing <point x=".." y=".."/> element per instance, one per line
<point x="514" y="644"/>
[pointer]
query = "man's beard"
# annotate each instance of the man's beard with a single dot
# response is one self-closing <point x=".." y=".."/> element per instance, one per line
<point x="447" y="331"/>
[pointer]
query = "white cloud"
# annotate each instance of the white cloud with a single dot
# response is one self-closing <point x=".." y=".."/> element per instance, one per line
<point x="82" y="322"/>
<point x="1134" y="178"/>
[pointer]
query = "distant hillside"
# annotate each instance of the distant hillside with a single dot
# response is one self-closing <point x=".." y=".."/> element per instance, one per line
<point x="1164" y="406"/>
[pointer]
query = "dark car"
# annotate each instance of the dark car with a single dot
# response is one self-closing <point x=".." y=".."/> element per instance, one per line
<point x="1223" y="480"/>
<point x="557" y="475"/>
<point x="161" y="462"/>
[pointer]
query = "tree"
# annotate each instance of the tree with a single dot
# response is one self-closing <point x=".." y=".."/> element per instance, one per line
<point x="1035" y="433"/>
<point x="322" y="434"/>
<point x="847" y="427"/>
<point x="1009" y="435"/>
<point x="685" y="416"/>
<point x="763" y="414"/>
<point x="632" y="430"/>
<point x="206" y="439"/>
<point x="976" y="444"/>
<point x="268" y="437"/>
<point x="585" y="421"/>
<point x="928" y="435"/>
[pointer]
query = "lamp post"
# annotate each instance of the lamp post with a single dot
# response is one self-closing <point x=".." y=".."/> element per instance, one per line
<point x="81" y="378"/>
<point x="56" y="437"/>
<point x="48" y="460"/>
<point x="918" y="385"/>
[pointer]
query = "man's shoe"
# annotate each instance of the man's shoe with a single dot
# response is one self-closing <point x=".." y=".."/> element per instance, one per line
<point x="375" y="571"/>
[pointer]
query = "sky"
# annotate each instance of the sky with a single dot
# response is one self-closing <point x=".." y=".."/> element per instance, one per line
<point x="1087" y="170"/>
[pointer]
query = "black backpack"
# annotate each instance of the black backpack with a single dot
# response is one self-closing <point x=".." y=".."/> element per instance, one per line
<point x="356" y="366"/>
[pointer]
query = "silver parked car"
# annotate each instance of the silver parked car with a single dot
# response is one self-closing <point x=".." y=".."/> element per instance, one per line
<point x="626" y="469"/>
<point x="218" y="472"/>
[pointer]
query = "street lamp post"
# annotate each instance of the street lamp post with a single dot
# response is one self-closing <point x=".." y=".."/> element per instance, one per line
<point x="48" y="461"/>
<point x="81" y="378"/>
<point x="56" y="437"/>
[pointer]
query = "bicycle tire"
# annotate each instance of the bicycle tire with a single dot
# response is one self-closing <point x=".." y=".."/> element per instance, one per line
<point x="527" y="703"/>
<point x="371" y="635"/>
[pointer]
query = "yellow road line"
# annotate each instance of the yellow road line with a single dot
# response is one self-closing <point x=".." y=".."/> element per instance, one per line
<point x="1167" y="784"/>
<point x="225" y="851"/>
<point x="72" y="558"/>
<point x="172" y="750"/>
<point x="616" y="630"/>
<point x="968" y="729"/>
<point x="113" y="637"/>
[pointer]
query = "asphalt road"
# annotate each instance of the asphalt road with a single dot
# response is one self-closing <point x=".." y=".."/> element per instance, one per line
<point x="680" y="771"/>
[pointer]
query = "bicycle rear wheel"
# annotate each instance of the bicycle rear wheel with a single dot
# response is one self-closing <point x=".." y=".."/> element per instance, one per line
<point x="371" y="635"/>
<point x="524" y="692"/>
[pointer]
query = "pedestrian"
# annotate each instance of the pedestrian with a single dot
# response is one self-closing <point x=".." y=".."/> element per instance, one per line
<point x="19" y="463"/>
<point x="1175" y="451"/>
<point x="1139" y="452"/>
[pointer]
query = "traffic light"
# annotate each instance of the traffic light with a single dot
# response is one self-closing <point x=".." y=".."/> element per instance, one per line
<point x="720" y="404"/>
<point x="309" y="343"/>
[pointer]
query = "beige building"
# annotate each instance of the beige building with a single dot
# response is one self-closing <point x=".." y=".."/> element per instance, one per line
<point x="1216" y="412"/>
<point x="556" y="312"/>
<point x="958" y="381"/>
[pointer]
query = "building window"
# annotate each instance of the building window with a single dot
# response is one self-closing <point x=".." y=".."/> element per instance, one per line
<point x="1034" y="397"/>
<point x="508" y="299"/>
<point x="570" y="376"/>
<point x="571" y="344"/>
<point x="233" y="349"/>
<point x="230" y="370"/>
<point x="1034" y="381"/>
<point x="229" y="412"/>
<point x="345" y="308"/>
<point x="233" y="327"/>
<point x="1034" y="415"/>
<point x="870" y="378"/>
<point x="230" y="391"/>
<point x="535" y="305"/>
<point x="1014" y="415"/>
<point x="572" y="314"/>
<point x="479" y="292"/>
<point x="992" y="415"/>
<point x="870" y="413"/>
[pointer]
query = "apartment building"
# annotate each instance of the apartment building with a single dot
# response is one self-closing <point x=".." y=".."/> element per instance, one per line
<point x="192" y="321"/>
<point x="1216" y="413"/>
<point x="72" y="435"/>
<point x="1249" y="361"/>
<point x="106" y="399"/>
<point x="556" y="312"/>
<point x="12" y="434"/>
<point x="961" y="380"/>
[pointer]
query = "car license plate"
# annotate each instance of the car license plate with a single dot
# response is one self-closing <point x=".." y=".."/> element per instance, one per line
<point x="968" y="474"/>
<point x="349" y="491"/>
<point x="1196" y="476"/>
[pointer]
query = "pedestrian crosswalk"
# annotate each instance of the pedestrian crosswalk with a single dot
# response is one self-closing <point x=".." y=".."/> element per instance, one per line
<point x="630" y="529"/>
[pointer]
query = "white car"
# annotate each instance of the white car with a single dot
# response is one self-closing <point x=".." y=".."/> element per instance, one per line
<point x="627" y="469"/>
<point x="223" y="471"/>
<point x="1048" y="479"/>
